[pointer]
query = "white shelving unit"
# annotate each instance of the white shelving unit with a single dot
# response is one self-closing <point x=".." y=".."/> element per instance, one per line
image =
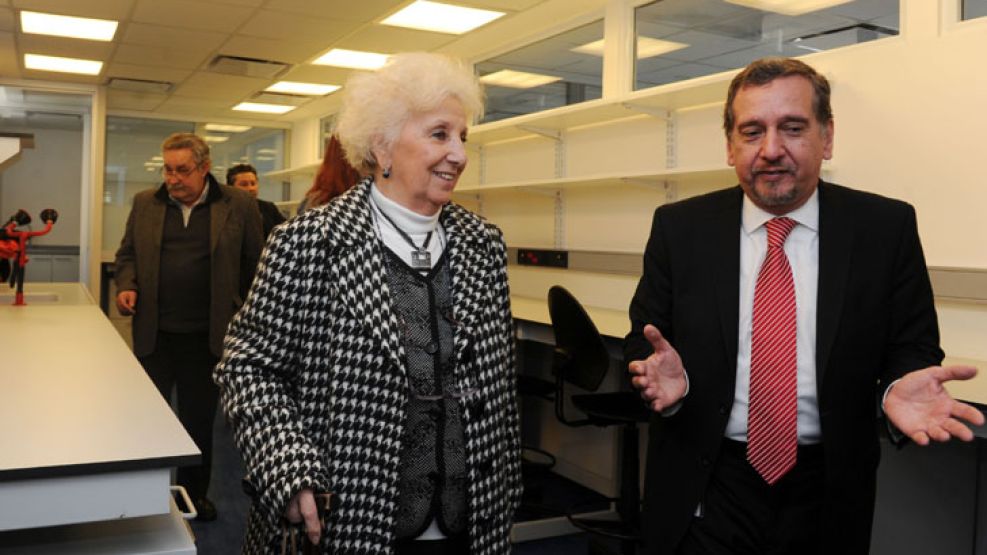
<point x="660" y="102"/>
<point x="677" y="176"/>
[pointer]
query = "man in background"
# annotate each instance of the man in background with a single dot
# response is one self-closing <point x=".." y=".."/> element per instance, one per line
<point x="184" y="266"/>
<point x="244" y="177"/>
<point x="772" y="322"/>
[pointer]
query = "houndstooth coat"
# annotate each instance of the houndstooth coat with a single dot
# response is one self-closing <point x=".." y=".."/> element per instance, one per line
<point x="313" y="379"/>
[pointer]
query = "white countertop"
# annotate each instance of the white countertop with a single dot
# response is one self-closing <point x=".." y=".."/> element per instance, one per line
<point x="74" y="399"/>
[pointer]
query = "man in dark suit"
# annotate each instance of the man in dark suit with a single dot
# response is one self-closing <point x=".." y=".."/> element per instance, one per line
<point x="244" y="177"/>
<point x="184" y="266"/>
<point x="772" y="322"/>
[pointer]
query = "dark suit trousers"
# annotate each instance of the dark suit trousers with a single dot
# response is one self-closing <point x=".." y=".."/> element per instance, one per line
<point x="184" y="362"/>
<point x="743" y="515"/>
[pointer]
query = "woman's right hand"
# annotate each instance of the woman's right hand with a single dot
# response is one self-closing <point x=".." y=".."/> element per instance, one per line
<point x="302" y="508"/>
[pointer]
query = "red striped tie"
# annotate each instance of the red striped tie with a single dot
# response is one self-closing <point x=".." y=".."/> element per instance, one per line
<point x="772" y="416"/>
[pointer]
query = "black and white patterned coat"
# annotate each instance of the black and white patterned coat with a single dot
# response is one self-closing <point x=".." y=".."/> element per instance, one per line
<point x="313" y="378"/>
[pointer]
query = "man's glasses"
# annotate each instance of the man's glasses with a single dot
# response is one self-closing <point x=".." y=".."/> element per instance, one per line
<point x="180" y="172"/>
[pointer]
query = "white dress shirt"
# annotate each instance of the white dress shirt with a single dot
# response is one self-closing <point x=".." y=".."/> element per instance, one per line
<point x="802" y="250"/>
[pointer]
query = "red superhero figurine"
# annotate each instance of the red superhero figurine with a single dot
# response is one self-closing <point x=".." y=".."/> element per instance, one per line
<point x="13" y="248"/>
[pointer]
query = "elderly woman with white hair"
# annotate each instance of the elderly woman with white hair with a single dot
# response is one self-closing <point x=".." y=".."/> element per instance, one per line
<point x="374" y="357"/>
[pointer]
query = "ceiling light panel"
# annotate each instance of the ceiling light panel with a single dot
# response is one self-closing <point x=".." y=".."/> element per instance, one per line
<point x="789" y="7"/>
<point x="354" y="59"/>
<point x="215" y="138"/>
<point x="647" y="47"/>
<point x="308" y="89"/>
<point x="62" y="65"/>
<point x="517" y="79"/>
<point x="66" y="26"/>
<point x="263" y="108"/>
<point x="441" y="18"/>
<point x="227" y="128"/>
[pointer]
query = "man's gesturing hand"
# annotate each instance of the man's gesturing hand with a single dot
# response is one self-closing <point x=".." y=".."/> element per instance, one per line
<point x="660" y="378"/>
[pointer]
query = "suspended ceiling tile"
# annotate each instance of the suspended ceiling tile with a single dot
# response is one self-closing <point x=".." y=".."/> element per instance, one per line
<point x="191" y="14"/>
<point x="365" y="10"/>
<point x="281" y="25"/>
<point x="232" y="88"/>
<point x="145" y="72"/>
<point x="60" y="46"/>
<point x="7" y="20"/>
<point x="183" y="104"/>
<point x="317" y="74"/>
<point x="292" y="52"/>
<point x="128" y="100"/>
<point x="501" y="5"/>
<point x="159" y="35"/>
<point x="103" y="9"/>
<point x="180" y="56"/>
<point x="251" y="3"/>
<point x="389" y="40"/>
<point x="9" y="66"/>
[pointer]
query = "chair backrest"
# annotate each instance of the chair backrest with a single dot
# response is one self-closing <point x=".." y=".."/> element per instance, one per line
<point x="577" y="338"/>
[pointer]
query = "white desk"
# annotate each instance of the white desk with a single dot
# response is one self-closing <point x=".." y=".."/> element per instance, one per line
<point x="86" y="436"/>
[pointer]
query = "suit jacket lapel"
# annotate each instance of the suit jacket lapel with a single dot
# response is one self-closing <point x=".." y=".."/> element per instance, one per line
<point x="219" y="211"/>
<point x="469" y="264"/>
<point x="725" y="262"/>
<point x="360" y="271"/>
<point x="835" y="245"/>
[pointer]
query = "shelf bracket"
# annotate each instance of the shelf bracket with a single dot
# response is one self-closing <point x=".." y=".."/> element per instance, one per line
<point x="482" y="178"/>
<point x="547" y="132"/>
<point x="559" y="220"/>
<point x="671" y="191"/>
<point x="660" y="113"/>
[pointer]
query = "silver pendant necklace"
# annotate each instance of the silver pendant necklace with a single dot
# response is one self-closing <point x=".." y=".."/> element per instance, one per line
<point x="421" y="258"/>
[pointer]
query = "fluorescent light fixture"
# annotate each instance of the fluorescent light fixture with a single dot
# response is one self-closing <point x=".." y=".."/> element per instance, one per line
<point x="227" y="128"/>
<point x="647" y="47"/>
<point x="63" y="65"/>
<point x="263" y="108"/>
<point x="65" y="26"/>
<point x="157" y="159"/>
<point x="309" y="89"/>
<point x="354" y="59"/>
<point x="789" y="7"/>
<point x="266" y="151"/>
<point x="517" y="79"/>
<point x="215" y="138"/>
<point x="441" y="18"/>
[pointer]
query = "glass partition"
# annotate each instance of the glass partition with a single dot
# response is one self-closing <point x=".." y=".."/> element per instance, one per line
<point x="558" y="71"/>
<point x="46" y="142"/>
<point x="683" y="39"/>
<point x="133" y="161"/>
<point x="972" y="9"/>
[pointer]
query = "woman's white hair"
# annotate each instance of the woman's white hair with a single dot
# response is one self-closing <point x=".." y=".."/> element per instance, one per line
<point x="376" y="105"/>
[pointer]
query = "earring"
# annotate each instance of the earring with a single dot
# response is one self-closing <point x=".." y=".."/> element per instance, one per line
<point x="387" y="173"/>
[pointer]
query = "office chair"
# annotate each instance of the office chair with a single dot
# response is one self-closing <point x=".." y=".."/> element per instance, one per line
<point x="581" y="359"/>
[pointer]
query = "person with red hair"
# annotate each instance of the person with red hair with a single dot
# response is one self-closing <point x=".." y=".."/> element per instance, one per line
<point x="335" y="176"/>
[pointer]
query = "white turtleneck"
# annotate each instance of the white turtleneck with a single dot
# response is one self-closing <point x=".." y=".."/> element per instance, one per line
<point x="415" y="225"/>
